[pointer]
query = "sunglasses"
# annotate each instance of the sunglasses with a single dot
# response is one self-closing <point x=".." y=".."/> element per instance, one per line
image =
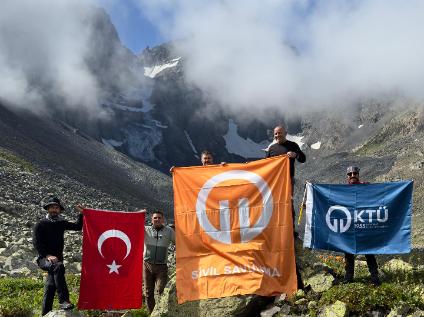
<point x="353" y="173"/>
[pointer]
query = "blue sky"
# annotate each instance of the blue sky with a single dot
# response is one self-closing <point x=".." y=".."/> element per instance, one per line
<point x="134" y="29"/>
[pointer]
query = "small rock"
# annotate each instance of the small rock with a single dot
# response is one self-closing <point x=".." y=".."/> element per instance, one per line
<point x="23" y="271"/>
<point x="270" y="311"/>
<point x="285" y="310"/>
<point x="396" y="265"/>
<point x="301" y="301"/>
<point x="399" y="311"/>
<point x="321" y="282"/>
<point x="281" y="298"/>
<point x="63" y="313"/>
<point x="312" y="305"/>
<point x="338" y="309"/>
<point x="418" y="313"/>
<point x="300" y="293"/>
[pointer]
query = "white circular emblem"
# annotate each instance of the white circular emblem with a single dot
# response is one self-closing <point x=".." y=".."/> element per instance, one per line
<point x="338" y="225"/>
<point x="247" y="232"/>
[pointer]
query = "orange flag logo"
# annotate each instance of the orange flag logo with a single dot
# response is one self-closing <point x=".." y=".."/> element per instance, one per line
<point x="234" y="230"/>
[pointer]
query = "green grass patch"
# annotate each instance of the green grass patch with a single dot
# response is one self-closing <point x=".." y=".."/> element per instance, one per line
<point x="23" y="297"/>
<point x="361" y="298"/>
<point x="19" y="297"/>
<point x="14" y="159"/>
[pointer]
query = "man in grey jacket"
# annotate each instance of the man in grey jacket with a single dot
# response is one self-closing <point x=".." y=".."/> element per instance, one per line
<point x="157" y="239"/>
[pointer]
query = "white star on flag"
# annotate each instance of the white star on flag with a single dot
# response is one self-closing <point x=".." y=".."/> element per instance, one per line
<point x="113" y="267"/>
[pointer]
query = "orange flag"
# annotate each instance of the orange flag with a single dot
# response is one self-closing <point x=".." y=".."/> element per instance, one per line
<point x="234" y="232"/>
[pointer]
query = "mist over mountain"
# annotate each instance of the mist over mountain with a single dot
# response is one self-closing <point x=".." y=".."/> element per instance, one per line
<point x="80" y="81"/>
<point x="83" y="118"/>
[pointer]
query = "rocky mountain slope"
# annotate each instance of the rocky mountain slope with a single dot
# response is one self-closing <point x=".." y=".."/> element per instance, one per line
<point x="40" y="156"/>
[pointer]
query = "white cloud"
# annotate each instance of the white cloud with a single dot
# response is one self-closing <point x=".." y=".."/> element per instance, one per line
<point x="43" y="51"/>
<point x="241" y="52"/>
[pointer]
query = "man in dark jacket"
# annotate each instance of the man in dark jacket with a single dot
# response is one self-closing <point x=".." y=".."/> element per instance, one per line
<point x="48" y="240"/>
<point x="352" y="175"/>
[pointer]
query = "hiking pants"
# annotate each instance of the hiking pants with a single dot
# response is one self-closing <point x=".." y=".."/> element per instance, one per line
<point x="155" y="277"/>
<point x="55" y="281"/>
<point x="350" y="265"/>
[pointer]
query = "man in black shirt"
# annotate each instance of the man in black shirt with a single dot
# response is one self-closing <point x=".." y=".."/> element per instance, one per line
<point x="282" y="146"/>
<point x="48" y="240"/>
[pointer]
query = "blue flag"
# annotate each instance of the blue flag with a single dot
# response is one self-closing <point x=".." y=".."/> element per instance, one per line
<point x="359" y="218"/>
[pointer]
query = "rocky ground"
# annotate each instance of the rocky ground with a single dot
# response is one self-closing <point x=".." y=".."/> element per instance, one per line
<point x="324" y="295"/>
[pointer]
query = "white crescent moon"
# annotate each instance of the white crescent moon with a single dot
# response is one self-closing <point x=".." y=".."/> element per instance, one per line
<point x="113" y="234"/>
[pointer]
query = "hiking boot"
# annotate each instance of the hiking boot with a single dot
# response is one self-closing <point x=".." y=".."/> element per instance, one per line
<point x="66" y="306"/>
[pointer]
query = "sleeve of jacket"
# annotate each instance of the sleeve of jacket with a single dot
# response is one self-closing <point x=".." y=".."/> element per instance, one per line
<point x="38" y="240"/>
<point x="172" y="235"/>
<point x="77" y="226"/>
<point x="301" y="157"/>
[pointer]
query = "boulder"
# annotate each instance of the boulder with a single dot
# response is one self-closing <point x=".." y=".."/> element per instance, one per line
<point x="320" y="282"/>
<point x="285" y="311"/>
<point x="3" y="243"/>
<point x="312" y="305"/>
<point x="270" y="311"/>
<point x="399" y="311"/>
<point x="396" y="265"/>
<point x="281" y="298"/>
<point x="240" y="305"/>
<point x="338" y="309"/>
<point x="21" y="272"/>
<point x="63" y="313"/>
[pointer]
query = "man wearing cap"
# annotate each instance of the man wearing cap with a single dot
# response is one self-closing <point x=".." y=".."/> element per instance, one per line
<point x="48" y="240"/>
<point x="352" y="174"/>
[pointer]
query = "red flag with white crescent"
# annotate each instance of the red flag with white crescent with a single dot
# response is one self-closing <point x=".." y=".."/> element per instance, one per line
<point x="112" y="260"/>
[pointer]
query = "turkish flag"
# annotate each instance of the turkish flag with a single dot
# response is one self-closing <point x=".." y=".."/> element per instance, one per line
<point x="112" y="260"/>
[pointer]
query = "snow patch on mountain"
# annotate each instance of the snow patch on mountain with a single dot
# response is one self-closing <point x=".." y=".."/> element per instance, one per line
<point x="190" y="141"/>
<point x="145" y="108"/>
<point x="316" y="145"/>
<point x="154" y="70"/>
<point x="246" y="148"/>
<point x="112" y="143"/>
<point x="159" y="124"/>
<point x="296" y="138"/>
